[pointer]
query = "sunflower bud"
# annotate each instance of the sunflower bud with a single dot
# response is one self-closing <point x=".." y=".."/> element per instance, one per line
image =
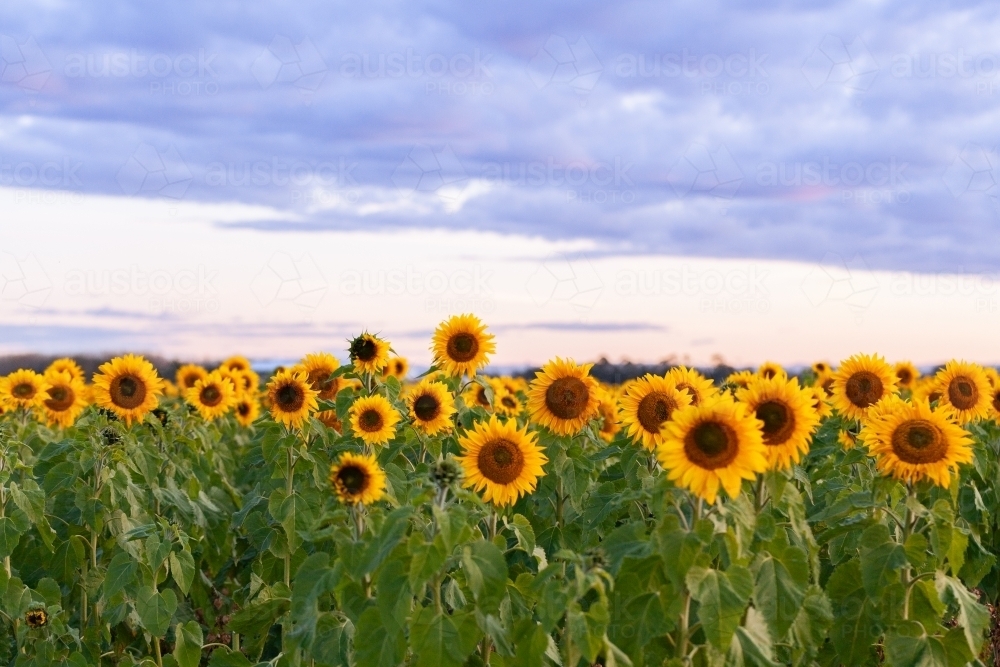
<point x="110" y="436"/>
<point x="445" y="473"/>
<point x="36" y="618"/>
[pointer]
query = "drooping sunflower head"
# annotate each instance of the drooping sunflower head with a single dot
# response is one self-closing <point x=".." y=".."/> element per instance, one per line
<point x="212" y="396"/>
<point x="188" y="374"/>
<point x="68" y="365"/>
<point x="787" y="416"/>
<point x="694" y="383"/>
<point x="647" y="404"/>
<point x="373" y="419"/>
<point x="906" y="374"/>
<point x="717" y="443"/>
<point x="65" y="399"/>
<point x="820" y="401"/>
<point x="738" y="380"/>
<point x="563" y="397"/>
<point x="501" y="461"/>
<point x="965" y="389"/>
<point x="431" y="406"/>
<point x="320" y="367"/>
<point x="236" y="363"/>
<point x="397" y="367"/>
<point x="822" y="368"/>
<point x="848" y="439"/>
<point x="912" y="442"/>
<point x="861" y="382"/>
<point x="610" y="412"/>
<point x="357" y="478"/>
<point x="368" y="353"/>
<point x="23" y="388"/>
<point x="246" y="410"/>
<point x="128" y="386"/>
<point x="330" y="420"/>
<point x="290" y="397"/>
<point x="461" y="345"/>
<point x="771" y="369"/>
<point x="480" y="393"/>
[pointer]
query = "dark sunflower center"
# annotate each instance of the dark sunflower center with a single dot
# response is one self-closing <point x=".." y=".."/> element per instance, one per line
<point x="243" y="408"/>
<point x="779" y="422"/>
<point x="711" y="445"/>
<point x="462" y="347"/>
<point x="828" y="386"/>
<point x="500" y="461"/>
<point x="508" y="402"/>
<point x="919" y="441"/>
<point x="864" y="388"/>
<point x="426" y="407"/>
<point x="23" y="390"/>
<point x="768" y="373"/>
<point x="370" y="420"/>
<point x="128" y="391"/>
<point x="654" y="409"/>
<point x="481" y="397"/>
<point x="61" y="398"/>
<point x="36" y="618"/>
<point x="210" y="396"/>
<point x="290" y="398"/>
<point x="963" y="393"/>
<point x="996" y="401"/>
<point x="364" y="349"/>
<point x="399" y="368"/>
<point x="353" y="479"/>
<point x="567" y="398"/>
<point x="321" y="381"/>
<point x="190" y="379"/>
<point x="684" y="386"/>
<point x="904" y="375"/>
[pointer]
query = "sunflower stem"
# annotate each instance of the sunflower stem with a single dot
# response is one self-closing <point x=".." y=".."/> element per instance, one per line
<point x="909" y="520"/>
<point x="289" y="489"/>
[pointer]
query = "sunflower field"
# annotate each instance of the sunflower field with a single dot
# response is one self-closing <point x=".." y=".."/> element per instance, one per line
<point x="347" y="514"/>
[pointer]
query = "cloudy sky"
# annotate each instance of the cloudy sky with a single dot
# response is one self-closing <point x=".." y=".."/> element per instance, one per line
<point x="638" y="180"/>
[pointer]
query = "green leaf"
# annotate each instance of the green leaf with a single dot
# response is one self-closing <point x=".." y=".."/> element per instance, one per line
<point x="9" y="536"/>
<point x="182" y="569"/>
<point x="880" y="567"/>
<point x="257" y="618"/>
<point x="530" y="644"/>
<point x="426" y="558"/>
<point x="374" y="646"/>
<point x="752" y="643"/>
<point x="443" y="641"/>
<point x="973" y="617"/>
<point x="486" y="572"/>
<point x="121" y="573"/>
<point x="723" y="597"/>
<point x="778" y="594"/>
<point x="224" y="657"/>
<point x="524" y="532"/>
<point x="187" y="646"/>
<point x="155" y="609"/>
<point x="855" y="625"/>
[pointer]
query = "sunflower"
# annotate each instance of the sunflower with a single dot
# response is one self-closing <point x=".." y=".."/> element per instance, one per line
<point x="212" y="395"/>
<point x="236" y="363"/>
<point x="128" y="386"/>
<point x="373" y="419"/>
<point x="357" y="478"/>
<point x="188" y="374"/>
<point x="507" y="404"/>
<point x="36" y="618"/>
<point x="861" y="382"/>
<point x="821" y="368"/>
<point x="995" y="403"/>
<point x="369" y="353"/>
<point x="788" y="417"/>
<point x="397" y="367"/>
<point x="461" y="345"/>
<point x="563" y="396"/>
<point x="694" y="383"/>
<point x="319" y="367"/>
<point x="291" y="398"/>
<point x="330" y="420"/>
<point x="246" y="409"/>
<point x="24" y="388"/>
<point x="70" y="366"/>
<point x="501" y="459"/>
<point x="716" y="443"/>
<point x="648" y="403"/>
<point x="906" y="374"/>
<point x="431" y="406"/>
<point x="927" y="388"/>
<point x="65" y="399"/>
<point x="848" y="439"/>
<point x="739" y="379"/>
<point x="992" y="375"/>
<point x="820" y="402"/>
<point x="610" y="415"/>
<point x="771" y="369"/>
<point x="476" y="394"/>
<point x="965" y="389"/>
<point x="911" y="442"/>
